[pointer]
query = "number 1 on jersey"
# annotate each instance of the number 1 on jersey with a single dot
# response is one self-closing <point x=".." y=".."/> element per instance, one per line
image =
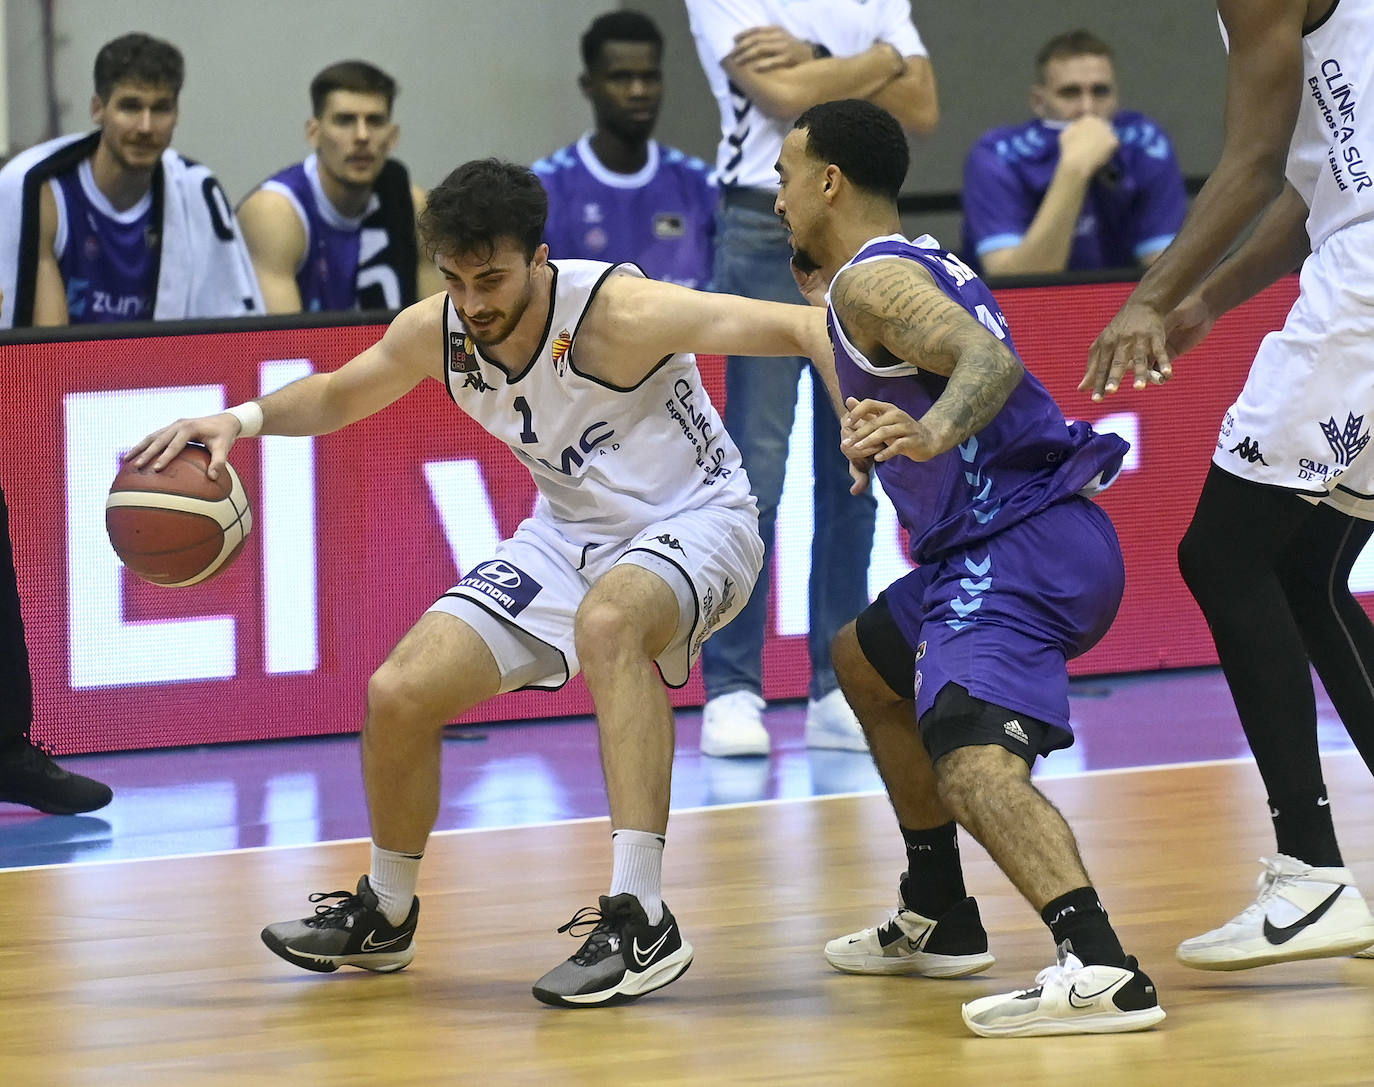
<point x="527" y="434"/>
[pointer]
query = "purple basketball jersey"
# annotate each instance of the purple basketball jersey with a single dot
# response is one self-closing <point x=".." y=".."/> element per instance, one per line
<point x="108" y="259"/>
<point x="661" y="218"/>
<point x="1026" y="459"/>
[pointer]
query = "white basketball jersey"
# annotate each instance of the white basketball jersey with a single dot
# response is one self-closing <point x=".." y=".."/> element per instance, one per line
<point x="608" y="461"/>
<point x="1331" y="158"/>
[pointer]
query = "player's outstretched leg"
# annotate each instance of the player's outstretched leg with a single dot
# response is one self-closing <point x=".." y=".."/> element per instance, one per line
<point x="623" y="957"/>
<point x="348" y="932"/>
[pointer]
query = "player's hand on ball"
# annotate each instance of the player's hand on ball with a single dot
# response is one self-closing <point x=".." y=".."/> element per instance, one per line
<point x="216" y="432"/>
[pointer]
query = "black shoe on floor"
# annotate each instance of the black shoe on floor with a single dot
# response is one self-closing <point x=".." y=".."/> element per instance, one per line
<point x="28" y="776"/>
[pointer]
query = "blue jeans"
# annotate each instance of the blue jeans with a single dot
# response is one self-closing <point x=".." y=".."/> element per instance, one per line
<point x="753" y="259"/>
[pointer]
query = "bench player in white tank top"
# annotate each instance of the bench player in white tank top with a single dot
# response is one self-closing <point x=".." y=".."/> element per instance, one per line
<point x="644" y="540"/>
<point x="1289" y="502"/>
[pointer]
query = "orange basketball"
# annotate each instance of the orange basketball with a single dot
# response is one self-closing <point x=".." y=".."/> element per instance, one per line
<point x="177" y="526"/>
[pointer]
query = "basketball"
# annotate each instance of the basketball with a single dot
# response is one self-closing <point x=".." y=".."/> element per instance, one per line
<point x="178" y="526"/>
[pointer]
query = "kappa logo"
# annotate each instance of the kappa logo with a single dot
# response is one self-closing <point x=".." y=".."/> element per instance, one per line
<point x="1248" y="450"/>
<point x="1346" y="442"/>
<point x="500" y="573"/>
<point x="670" y="542"/>
<point x="474" y="380"/>
<point x="1015" y="731"/>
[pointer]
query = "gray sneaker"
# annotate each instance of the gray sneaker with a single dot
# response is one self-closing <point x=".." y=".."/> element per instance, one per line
<point x="623" y="958"/>
<point x="351" y="932"/>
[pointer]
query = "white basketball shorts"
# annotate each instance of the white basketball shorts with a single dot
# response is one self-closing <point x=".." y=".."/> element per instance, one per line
<point x="524" y="599"/>
<point x="1302" y="421"/>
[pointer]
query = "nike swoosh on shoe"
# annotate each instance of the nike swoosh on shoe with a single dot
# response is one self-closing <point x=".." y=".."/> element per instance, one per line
<point x="1279" y="936"/>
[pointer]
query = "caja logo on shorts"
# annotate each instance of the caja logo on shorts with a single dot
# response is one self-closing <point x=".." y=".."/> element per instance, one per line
<point x="503" y="584"/>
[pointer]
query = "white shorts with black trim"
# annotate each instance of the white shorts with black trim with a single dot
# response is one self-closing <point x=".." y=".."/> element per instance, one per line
<point x="1302" y="421"/>
<point x="524" y="599"/>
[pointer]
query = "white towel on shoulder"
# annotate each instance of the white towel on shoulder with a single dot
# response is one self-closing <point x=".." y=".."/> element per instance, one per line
<point x="204" y="269"/>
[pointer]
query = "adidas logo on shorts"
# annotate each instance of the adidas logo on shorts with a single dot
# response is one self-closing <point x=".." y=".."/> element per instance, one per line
<point x="1015" y="731"/>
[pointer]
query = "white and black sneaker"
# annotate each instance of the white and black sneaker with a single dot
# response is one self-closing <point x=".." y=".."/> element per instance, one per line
<point x="350" y="932"/>
<point x="623" y="957"/>
<point x="950" y="946"/>
<point x="1300" y="912"/>
<point x="1070" y="998"/>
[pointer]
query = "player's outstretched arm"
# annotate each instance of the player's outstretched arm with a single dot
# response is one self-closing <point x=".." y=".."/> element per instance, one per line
<point x="1263" y="91"/>
<point x="893" y="309"/>
<point x="318" y="404"/>
<point x="636" y="322"/>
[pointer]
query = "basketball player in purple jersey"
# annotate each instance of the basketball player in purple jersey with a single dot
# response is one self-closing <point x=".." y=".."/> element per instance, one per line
<point x="113" y="225"/>
<point x="337" y="231"/>
<point x="1018" y="572"/>
<point x="617" y="193"/>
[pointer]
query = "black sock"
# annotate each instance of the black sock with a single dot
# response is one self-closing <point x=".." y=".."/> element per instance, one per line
<point x="1078" y="918"/>
<point x="935" y="878"/>
<point x="1302" y="825"/>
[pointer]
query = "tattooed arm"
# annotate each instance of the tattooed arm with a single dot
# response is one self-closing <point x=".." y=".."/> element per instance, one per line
<point x="894" y="312"/>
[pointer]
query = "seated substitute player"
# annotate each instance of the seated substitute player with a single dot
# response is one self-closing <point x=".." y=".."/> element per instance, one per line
<point x="617" y="193"/>
<point x="1083" y="185"/>
<point x="644" y="541"/>
<point x="1018" y="572"/>
<point x="114" y="225"/>
<point x="338" y="231"/>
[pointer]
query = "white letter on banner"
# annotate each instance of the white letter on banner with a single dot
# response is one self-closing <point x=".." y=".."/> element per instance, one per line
<point x="105" y="650"/>
<point x="285" y="512"/>
<point x="460" y="495"/>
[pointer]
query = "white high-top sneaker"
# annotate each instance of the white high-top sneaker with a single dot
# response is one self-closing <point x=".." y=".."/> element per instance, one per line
<point x="1300" y="912"/>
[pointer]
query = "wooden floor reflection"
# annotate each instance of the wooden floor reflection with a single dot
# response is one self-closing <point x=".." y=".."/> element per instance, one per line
<point x="151" y="972"/>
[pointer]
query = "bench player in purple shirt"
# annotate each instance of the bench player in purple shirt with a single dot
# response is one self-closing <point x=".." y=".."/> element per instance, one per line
<point x="617" y="194"/>
<point x="1083" y="185"/>
<point x="337" y="231"/>
<point x="958" y="671"/>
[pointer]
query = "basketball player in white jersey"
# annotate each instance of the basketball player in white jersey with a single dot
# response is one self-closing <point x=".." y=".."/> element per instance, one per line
<point x="1289" y="501"/>
<point x="644" y="540"/>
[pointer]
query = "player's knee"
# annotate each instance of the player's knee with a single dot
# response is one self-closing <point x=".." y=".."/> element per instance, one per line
<point x="394" y="698"/>
<point x="606" y="629"/>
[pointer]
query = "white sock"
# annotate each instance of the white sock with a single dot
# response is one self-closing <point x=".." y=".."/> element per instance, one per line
<point x="639" y="869"/>
<point x="393" y="878"/>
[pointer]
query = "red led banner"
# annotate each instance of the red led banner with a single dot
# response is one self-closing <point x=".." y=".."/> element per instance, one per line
<point x="357" y="533"/>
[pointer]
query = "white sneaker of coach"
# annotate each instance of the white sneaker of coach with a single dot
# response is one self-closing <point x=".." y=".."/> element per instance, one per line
<point x="1300" y="912"/>
<point x="830" y="723"/>
<point x="732" y="725"/>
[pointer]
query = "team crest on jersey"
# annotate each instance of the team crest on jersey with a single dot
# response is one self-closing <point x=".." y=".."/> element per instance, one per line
<point x="561" y="343"/>
<point x="462" y="355"/>
<point x="1346" y="441"/>
<point x="669" y="224"/>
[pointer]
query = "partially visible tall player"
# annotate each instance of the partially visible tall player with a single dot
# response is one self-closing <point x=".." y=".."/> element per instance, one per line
<point x="644" y="541"/>
<point x="337" y="231"/>
<point x="617" y="193"/>
<point x="1288" y="504"/>
<point x="958" y="671"/>
<point x="114" y="225"/>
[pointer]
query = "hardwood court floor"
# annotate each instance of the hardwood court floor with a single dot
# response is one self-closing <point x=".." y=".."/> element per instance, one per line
<point x="151" y="972"/>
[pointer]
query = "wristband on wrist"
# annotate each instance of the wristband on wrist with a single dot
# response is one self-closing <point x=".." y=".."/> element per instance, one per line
<point x="249" y="416"/>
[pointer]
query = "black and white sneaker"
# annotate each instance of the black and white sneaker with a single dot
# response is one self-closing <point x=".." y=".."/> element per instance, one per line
<point x="623" y="958"/>
<point x="350" y="932"/>
<point x="29" y="776"/>
<point x="952" y="945"/>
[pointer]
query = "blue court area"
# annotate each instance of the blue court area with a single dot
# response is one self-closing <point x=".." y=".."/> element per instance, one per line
<point x="291" y="792"/>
